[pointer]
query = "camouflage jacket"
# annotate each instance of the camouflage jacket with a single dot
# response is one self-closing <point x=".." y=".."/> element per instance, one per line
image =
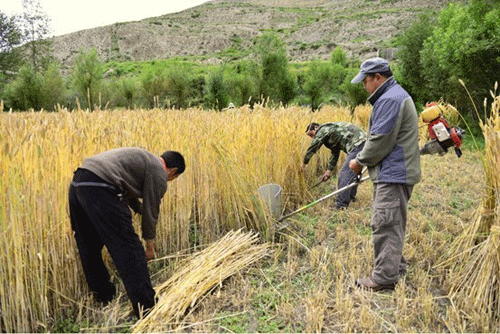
<point x="337" y="136"/>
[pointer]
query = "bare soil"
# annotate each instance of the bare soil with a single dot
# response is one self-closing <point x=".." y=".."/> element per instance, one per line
<point x="310" y="28"/>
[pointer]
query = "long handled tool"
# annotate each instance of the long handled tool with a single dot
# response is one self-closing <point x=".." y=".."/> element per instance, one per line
<point x="271" y="194"/>
<point x="358" y="181"/>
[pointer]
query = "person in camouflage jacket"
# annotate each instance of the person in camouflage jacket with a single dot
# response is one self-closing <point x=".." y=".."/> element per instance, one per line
<point x="337" y="136"/>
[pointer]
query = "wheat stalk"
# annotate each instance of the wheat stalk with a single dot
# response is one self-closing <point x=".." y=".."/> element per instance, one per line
<point x="217" y="193"/>
<point x="474" y="257"/>
<point x="200" y="274"/>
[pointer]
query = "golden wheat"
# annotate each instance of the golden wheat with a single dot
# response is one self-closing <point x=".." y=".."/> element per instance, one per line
<point x="198" y="275"/>
<point x="474" y="257"/>
<point x="228" y="155"/>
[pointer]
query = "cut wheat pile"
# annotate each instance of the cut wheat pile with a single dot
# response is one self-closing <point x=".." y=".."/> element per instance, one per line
<point x="200" y="274"/>
<point x="475" y="255"/>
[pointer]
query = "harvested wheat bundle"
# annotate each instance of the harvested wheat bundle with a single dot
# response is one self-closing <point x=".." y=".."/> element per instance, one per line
<point x="200" y="274"/>
<point x="475" y="255"/>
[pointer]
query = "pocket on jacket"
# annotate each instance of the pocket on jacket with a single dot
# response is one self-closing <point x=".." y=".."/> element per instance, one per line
<point x="386" y="214"/>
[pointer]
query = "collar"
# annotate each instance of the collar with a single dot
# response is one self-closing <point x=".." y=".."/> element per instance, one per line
<point x="381" y="90"/>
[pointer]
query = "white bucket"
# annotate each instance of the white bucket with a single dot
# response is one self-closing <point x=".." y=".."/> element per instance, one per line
<point x="271" y="195"/>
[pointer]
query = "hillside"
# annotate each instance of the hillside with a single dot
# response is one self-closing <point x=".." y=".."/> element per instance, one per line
<point x="310" y="28"/>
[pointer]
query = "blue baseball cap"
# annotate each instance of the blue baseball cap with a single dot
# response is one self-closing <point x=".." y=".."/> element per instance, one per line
<point x="371" y="66"/>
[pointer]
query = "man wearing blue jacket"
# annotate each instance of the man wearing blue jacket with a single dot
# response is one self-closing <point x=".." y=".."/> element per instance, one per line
<point x="392" y="155"/>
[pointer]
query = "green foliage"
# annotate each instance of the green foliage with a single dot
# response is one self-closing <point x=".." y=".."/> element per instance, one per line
<point x="339" y="56"/>
<point x="269" y="43"/>
<point x="235" y="323"/>
<point x="273" y="74"/>
<point x="69" y="326"/>
<point x="288" y="89"/>
<point x="277" y="83"/>
<point x="241" y="88"/>
<point x="410" y="66"/>
<point x="53" y="90"/>
<point x="329" y="82"/>
<point x="25" y="92"/>
<point x="36" y="90"/>
<point x="122" y="92"/>
<point x="128" y="88"/>
<point x="354" y="94"/>
<point x="178" y="83"/>
<point x="10" y="37"/>
<point x="87" y="77"/>
<point x="197" y="87"/>
<point x="217" y="91"/>
<point x="242" y="79"/>
<point x="154" y="85"/>
<point x="318" y="82"/>
<point x="465" y="45"/>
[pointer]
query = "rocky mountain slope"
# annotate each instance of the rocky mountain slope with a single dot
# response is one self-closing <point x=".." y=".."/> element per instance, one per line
<point x="310" y="28"/>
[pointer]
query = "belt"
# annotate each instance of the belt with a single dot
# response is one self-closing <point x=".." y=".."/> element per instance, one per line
<point x="97" y="184"/>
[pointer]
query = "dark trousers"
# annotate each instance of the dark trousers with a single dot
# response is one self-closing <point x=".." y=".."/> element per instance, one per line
<point x="100" y="218"/>
<point x="346" y="177"/>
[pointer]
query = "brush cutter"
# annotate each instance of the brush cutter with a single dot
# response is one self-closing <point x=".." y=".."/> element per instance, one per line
<point x="442" y="135"/>
<point x="271" y="194"/>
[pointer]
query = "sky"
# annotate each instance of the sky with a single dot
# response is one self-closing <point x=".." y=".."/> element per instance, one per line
<point x="69" y="15"/>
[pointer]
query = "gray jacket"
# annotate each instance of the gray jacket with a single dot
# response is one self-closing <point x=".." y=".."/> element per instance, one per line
<point x="138" y="173"/>
<point x="391" y="151"/>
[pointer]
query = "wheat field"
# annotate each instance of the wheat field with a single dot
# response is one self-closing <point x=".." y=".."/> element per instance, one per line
<point x="229" y="155"/>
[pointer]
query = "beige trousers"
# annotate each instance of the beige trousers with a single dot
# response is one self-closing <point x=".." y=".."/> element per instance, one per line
<point x="389" y="214"/>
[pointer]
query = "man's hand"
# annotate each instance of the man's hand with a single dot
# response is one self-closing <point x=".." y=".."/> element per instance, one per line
<point x="327" y="175"/>
<point x="150" y="250"/>
<point x="354" y="166"/>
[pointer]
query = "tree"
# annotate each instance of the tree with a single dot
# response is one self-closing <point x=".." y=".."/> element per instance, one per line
<point x="35" y="25"/>
<point x="242" y="82"/>
<point x="276" y="81"/>
<point x="26" y="91"/>
<point x="154" y="85"/>
<point x="288" y="88"/>
<point x="464" y="45"/>
<point x="178" y="83"/>
<point x="128" y="90"/>
<point x="355" y="94"/>
<point x="87" y="76"/>
<point x="241" y="88"/>
<point x="35" y="90"/>
<point x="339" y="57"/>
<point x="339" y="68"/>
<point x="10" y="38"/>
<point x="318" y="82"/>
<point x="53" y="89"/>
<point x="410" y="64"/>
<point x="217" y="90"/>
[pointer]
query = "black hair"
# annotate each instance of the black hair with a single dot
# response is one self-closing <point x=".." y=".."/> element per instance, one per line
<point x="311" y="127"/>
<point x="386" y="74"/>
<point x="174" y="159"/>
